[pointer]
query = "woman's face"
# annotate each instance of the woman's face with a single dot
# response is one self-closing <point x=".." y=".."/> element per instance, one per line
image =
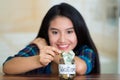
<point x="62" y="34"/>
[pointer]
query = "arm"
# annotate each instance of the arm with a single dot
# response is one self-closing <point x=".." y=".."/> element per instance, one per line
<point x="80" y="64"/>
<point x="29" y="59"/>
<point x="19" y="65"/>
<point x="26" y="60"/>
<point x="84" y="61"/>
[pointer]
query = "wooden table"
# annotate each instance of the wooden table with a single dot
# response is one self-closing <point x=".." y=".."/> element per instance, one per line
<point x="55" y="77"/>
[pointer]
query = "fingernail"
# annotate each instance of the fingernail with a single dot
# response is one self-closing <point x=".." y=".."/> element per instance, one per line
<point x="59" y="51"/>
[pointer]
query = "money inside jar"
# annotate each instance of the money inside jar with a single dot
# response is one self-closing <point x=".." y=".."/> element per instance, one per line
<point x="68" y="57"/>
<point x="67" y="66"/>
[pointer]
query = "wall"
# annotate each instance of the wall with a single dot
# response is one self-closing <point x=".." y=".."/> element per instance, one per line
<point x="119" y="49"/>
<point x="119" y="39"/>
<point x="20" y="21"/>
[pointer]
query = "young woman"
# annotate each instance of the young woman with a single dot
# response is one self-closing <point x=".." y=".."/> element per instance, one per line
<point x="62" y="29"/>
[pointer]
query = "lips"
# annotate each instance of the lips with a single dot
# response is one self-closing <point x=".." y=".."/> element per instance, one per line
<point x="63" y="47"/>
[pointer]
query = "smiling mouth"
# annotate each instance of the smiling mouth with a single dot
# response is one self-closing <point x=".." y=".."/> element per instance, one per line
<point x="63" y="47"/>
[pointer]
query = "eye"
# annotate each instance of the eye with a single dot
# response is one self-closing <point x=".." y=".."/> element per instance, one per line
<point x="54" y="32"/>
<point x="70" y="31"/>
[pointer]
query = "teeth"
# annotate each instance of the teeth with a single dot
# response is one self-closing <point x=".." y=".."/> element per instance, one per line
<point x="63" y="46"/>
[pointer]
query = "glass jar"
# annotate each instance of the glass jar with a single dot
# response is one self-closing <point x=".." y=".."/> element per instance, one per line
<point x="67" y="68"/>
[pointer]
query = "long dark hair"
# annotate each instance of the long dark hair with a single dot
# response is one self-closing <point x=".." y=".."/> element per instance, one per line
<point x="79" y="24"/>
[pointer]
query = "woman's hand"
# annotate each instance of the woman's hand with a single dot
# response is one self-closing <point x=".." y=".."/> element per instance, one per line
<point x="47" y="54"/>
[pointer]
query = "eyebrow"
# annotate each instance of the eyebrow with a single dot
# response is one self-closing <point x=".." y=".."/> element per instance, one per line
<point x="58" y="29"/>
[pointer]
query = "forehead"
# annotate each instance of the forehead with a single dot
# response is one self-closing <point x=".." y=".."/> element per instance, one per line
<point x="61" y="22"/>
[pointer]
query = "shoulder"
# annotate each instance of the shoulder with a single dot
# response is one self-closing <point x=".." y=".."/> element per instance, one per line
<point x="84" y="47"/>
<point x="85" y="50"/>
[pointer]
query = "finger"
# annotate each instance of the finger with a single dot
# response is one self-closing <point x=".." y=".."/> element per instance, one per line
<point x="57" y="51"/>
<point x="50" y="52"/>
<point x="45" y="59"/>
<point x="49" y="57"/>
<point x="53" y="49"/>
<point x="42" y="61"/>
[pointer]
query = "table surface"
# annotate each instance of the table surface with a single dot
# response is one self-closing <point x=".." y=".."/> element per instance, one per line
<point x="55" y="77"/>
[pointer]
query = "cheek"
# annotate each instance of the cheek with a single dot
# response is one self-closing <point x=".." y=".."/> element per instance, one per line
<point x="52" y="40"/>
<point x="74" y="40"/>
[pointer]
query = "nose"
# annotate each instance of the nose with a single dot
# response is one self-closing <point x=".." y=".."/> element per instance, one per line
<point x="62" y="38"/>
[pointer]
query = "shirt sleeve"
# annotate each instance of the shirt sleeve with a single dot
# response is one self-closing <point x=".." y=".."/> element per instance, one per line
<point x="88" y="56"/>
<point x="29" y="50"/>
<point x="32" y="50"/>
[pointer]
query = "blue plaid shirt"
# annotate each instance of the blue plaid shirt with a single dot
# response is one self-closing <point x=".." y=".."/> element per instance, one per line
<point x="84" y="52"/>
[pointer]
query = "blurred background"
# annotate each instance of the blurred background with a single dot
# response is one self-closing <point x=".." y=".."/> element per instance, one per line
<point x="20" y="21"/>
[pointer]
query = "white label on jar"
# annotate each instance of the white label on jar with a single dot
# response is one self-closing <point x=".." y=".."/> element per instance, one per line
<point x="67" y="69"/>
